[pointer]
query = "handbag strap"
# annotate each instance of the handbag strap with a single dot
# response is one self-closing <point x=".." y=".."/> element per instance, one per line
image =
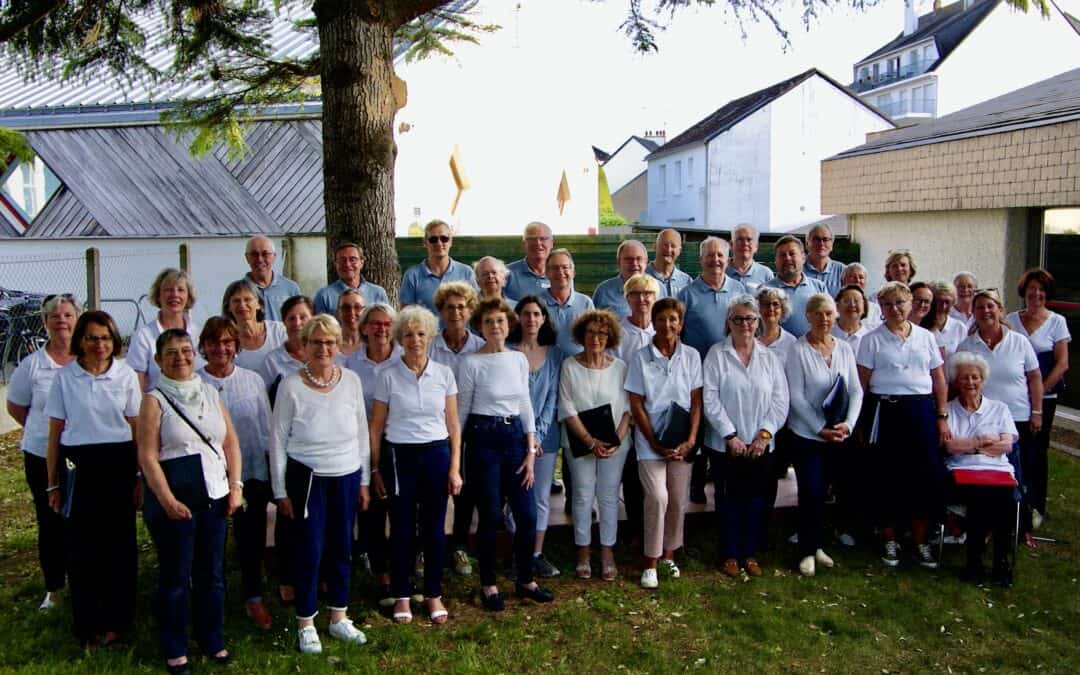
<point x="191" y="424"/>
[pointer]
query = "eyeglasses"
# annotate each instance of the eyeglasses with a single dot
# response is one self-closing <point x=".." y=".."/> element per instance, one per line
<point x="743" y="320"/>
<point x="173" y="353"/>
<point x="438" y="239"/>
<point x="323" y="344"/>
<point x="537" y="240"/>
<point x="641" y="294"/>
<point x="380" y="324"/>
<point x="97" y="338"/>
<point x="260" y="254"/>
<point x="821" y="240"/>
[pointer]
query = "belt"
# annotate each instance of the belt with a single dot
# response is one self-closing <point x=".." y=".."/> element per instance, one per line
<point x="899" y="398"/>
<point x="495" y="418"/>
<point x="419" y="446"/>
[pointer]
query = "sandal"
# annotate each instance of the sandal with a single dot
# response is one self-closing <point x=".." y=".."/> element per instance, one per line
<point x="583" y="570"/>
<point x="1029" y="541"/>
<point x="437" y="616"/>
<point x="402" y="616"/>
<point x="609" y="571"/>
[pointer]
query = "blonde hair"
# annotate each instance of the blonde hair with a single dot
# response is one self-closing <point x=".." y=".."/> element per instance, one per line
<point x="641" y="283"/>
<point x="167" y="277"/>
<point x="324" y="322"/>
<point x="415" y="315"/>
<point x="455" y="288"/>
<point x="819" y="300"/>
<point x="894" y="288"/>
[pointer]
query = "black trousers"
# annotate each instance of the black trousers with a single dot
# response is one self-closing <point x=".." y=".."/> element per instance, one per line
<point x="633" y="496"/>
<point x="50" y="534"/>
<point x="249" y="529"/>
<point x="990" y="510"/>
<point x="100" y="538"/>
<point x="1034" y="457"/>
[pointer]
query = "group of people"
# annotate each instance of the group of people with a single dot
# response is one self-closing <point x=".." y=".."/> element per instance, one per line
<point x="352" y="416"/>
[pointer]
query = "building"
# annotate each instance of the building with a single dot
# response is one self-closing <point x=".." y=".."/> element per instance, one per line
<point x="627" y="174"/>
<point x="756" y="159"/>
<point x="975" y="190"/>
<point x="957" y="55"/>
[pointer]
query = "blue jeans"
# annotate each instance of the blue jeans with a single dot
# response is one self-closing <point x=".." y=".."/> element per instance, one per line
<point x="191" y="555"/>
<point x="420" y="475"/>
<point x="741" y="487"/>
<point x="809" y="457"/>
<point x="495" y="451"/>
<point x="323" y="542"/>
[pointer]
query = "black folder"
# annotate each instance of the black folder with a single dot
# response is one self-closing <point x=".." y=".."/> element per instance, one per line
<point x="186" y="482"/>
<point x="298" y="477"/>
<point x="1046" y="364"/>
<point x="835" y="405"/>
<point x="600" y="424"/>
<point x="676" y="428"/>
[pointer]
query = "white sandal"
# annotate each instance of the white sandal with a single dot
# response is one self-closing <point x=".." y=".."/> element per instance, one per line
<point x="405" y="616"/>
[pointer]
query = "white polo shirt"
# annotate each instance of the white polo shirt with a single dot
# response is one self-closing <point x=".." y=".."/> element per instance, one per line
<point x="140" y="353"/>
<point x="853" y="340"/>
<point x="368" y="370"/>
<point x="29" y="387"/>
<point x="95" y="408"/>
<point x="632" y="339"/>
<point x="1010" y="362"/>
<point x="809" y="381"/>
<point x="992" y="417"/>
<point x="782" y="346"/>
<point x="252" y="359"/>
<point x="416" y="407"/>
<point x="278" y="362"/>
<point x="662" y="381"/>
<point x="951" y="336"/>
<point x="742" y="399"/>
<point x="900" y="366"/>
<point x="439" y="352"/>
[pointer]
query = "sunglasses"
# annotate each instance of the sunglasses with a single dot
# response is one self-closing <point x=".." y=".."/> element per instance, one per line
<point x="438" y="239"/>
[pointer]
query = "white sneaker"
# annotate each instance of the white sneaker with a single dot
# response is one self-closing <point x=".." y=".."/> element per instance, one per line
<point x="671" y="567"/>
<point x="806" y="566"/>
<point x="1036" y="519"/>
<point x="847" y="540"/>
<point x="793" y="539"/>
<point x="462" y="566"/>
<point x="822" y="558"/>
<point x="48" y="603"/>
<point x="649" y="579"/>
<point x="926" y="556"/>
<point x="307" y="640"/>
<point x="345" y="631"/>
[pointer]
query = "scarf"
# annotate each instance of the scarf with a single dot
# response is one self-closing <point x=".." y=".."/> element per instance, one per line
<point x="189" y="393"/>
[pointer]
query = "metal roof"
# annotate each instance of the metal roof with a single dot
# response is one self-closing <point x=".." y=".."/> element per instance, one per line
<point x="1051" y="101"/>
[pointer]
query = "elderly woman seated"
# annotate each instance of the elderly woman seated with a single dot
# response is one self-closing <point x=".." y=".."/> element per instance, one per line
<point x="983" y="434"/>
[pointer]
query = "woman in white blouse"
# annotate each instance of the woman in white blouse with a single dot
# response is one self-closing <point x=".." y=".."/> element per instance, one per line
<point x="91" y="409"/>
<point x="775" y="307"/>
<point x="289" y="357"/>
<point x="27" y="394"/>
<point x="902" y="376"/>
<point x="851" y="320"/>
<point x="983" y="435"/>
<point x="589" y="380"/>
<point x="500" y="434"/>
<point x="319" y="470"/>
<point x="173" y="293"/>
<point x="416" y="452"/>
<point x="1049" y="335"/>
<point x="855" y="274"/>
<point x="244" y="395"/>
<point x="257" y="336"/>
<point x="818" y="362"/>
<point x="660" y="376"/>
<point x="183" y="416"/>
<point x="948" y="331"/>
<point x="1014" y="377"/>
<point x="745" y="401"/>
<point x="350" y="307"/>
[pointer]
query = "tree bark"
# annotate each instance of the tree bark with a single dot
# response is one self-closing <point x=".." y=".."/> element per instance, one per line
<point x="356" y="39"/>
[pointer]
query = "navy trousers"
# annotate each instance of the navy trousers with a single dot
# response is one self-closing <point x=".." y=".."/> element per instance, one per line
<point x="323" y="541"/>
<point x="420" y="475"/>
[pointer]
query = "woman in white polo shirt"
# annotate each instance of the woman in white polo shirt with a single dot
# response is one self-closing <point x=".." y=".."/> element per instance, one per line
<point x="659" y="376"/>
<point x="288" y="357"/>
<point x="983" y="434"/>
<point x="903" y="379"/>
<point x="745" y="399"/>
<point x="91" y="408"/>
<point x="1014" y="377"/>
<point x="319" y="471"/>
<point x="817" y="363"/>
<point x="1049" y="335"/>
<point x="183" y="416"/>
<point x="173" y="293"/>
<point x="27" y="394"/>
<point x="415" y="434"/>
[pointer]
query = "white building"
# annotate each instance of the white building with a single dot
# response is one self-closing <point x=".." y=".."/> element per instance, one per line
<point x="957" y="55"/>
<point x="757" y="158"/>
<point x="626" y="170"/>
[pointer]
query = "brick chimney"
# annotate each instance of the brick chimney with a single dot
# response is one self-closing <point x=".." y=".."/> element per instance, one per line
<point x="658" y="136"/>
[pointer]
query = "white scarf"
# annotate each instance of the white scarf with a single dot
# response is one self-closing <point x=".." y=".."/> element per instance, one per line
<point x="189" y="392"/>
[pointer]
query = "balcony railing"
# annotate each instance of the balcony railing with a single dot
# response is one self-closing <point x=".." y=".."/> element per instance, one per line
<point x="900" y="108"/>
<point x="868" y="83"/>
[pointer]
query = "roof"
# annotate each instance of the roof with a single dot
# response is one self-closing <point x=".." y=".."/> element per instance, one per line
<point x="1072" y="21"/>
<point x="142" y="181"/>
<point x="600" y="155"/>
<point x="736" y="111"/>
<point x="647" y="143"/>
<point x="948" y="27"/>
<point x="1051" y="101"/>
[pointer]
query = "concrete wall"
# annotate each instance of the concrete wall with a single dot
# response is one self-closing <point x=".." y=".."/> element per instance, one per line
<point x="1010" y="49"/>
<point x="739" y="165"/>
<point x="811" y="122"/>
<point x="677" y="202"/>
<point x="991" y="243"/>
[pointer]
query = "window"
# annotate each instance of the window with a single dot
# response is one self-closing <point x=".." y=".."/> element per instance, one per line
<point x="877" y="71"/>
<point x="662" y="180"/>
<point x="690" y="172"/>
<point x="29" y="186"/>
<point x="928" y="53"/>
<point x="677" y="187"/>
<point x="894" y="65"/>
<point x="902" y="104"/>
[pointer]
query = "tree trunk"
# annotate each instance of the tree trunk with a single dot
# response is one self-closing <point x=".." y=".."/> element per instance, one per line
<point x="356" y="53"/>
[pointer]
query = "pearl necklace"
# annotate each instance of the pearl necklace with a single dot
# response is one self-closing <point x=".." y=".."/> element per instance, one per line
<point x="334" y="374"/>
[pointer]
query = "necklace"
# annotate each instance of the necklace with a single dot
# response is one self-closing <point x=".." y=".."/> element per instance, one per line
<point x="320" y="383"/>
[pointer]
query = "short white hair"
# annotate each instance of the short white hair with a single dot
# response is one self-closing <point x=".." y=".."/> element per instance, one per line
<point x="708" y="240"/>
<point x="746" y="226"/>
<point x="500" y="267"/>
<point x="771" y="292"/>
<point x="960" y="359"/>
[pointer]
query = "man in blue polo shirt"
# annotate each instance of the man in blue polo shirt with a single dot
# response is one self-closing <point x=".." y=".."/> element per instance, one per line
<point x="564" y="304"/>
<point x="274" y="288"/>
<point x="743" y="268"/>
<point x="420" y="282"/>
<point x="707" y="297"/>
<point x="664" y="267"/>
<point x="819" y="263"/>
<point x="790" y="258"/>
<point x="632" y="258"/>
<point x="349" y="263"/>
<point x="528" y="276"/>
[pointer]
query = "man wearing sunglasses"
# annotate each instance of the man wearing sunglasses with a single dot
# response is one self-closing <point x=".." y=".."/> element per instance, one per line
<point x="274" y="288"/>
<point x="420" y="282"/>
<point x="349" y="263"/>
<point x="528" y="276"/>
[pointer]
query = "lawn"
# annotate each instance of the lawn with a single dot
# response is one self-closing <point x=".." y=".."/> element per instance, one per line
<point x="857" y="617"/>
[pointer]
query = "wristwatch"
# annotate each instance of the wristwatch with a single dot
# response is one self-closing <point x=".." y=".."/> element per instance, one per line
<point x="764" y="434"/>
<point x="943" y="415"/>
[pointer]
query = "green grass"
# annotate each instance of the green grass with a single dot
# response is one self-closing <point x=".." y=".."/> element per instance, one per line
<point x="858" y="617"/>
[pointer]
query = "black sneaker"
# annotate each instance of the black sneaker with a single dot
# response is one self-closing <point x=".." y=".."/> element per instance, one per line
<point x="925" y="555"/>
<point x="891" y="553"/>
<point x="536" y="594"/>
<point x="493" y="602"/>
<point x="544" y="569"/>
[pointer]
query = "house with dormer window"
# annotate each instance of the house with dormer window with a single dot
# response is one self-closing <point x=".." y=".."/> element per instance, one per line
<point x="954" y="56"/>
